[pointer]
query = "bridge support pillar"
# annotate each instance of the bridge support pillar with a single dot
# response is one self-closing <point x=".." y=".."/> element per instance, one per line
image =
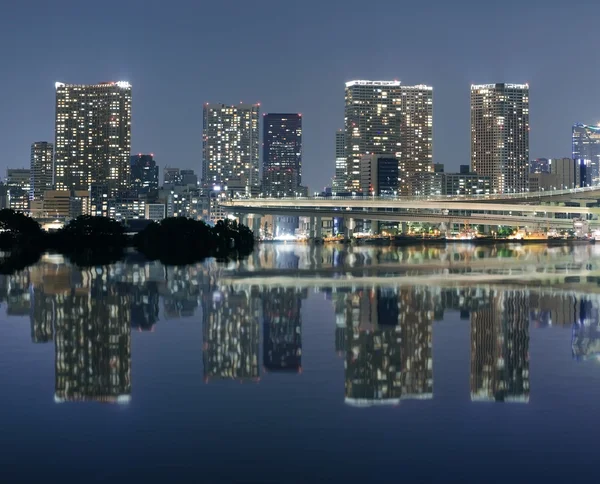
<point x="243" y="219"/>
<point x="404" y="228"/>
<point x="318" y="228"/>
<point x="256" y="226"/>
<point x="348" y="228"/>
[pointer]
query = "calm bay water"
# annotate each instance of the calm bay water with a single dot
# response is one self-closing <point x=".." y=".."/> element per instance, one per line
<point x="443" y="364"/>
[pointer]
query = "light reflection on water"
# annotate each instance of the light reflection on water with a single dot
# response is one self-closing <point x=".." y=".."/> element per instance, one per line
<point x="263" y="321"/>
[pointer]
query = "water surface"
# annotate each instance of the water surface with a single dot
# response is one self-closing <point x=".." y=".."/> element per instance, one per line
<point x="455" y="364"/>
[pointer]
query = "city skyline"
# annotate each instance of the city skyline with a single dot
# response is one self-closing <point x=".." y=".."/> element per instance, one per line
<point x="289" y="84"/>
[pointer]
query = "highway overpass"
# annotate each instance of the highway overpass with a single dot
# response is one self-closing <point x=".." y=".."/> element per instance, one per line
<point x="542" y="209"/>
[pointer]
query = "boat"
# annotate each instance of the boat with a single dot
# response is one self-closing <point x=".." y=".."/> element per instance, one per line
<point x="524" y="236"/>
<point x="466" y="235"/>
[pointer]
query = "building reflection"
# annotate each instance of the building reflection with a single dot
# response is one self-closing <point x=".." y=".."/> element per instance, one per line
<point x="231" y="334"/>
<point x="282" y="329"/>
<point x="500" y="348"/>
<point x="388" y="346"/>
<point x="383" y="333"/>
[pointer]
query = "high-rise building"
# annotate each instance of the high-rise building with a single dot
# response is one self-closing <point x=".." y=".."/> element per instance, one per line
<point x="282" y="154"/>
<point x="384" y="117"/>
<point x="230" y="144"/>
<point x="42" y="155"/>
<point x="144" y="173"/>
<point x="93" y="136"/>
<point x="18" y="183"/>
<point x="500" y="135"/>
<point x="341" y="174"/>
<point x="586" y="146"/>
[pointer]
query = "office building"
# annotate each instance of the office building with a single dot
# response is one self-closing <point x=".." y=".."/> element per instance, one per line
<point x="500" y="135"/>
<point x="341" y="175"/>
<point x="189" y="178"/>
<point x="18" y="183"/>
<point x="586" y="146"/>
<point x="465" y="183"/>
<point x="379" y="175"/>
<point x="42" y="167"/>
<point x="230" y="144"/>
<point x="144" y="173"/>
<point x="99" y="197"/>
<point x="282" y="154"/>
<point x="93" y="136"/>
<point x="539" y="165"/>
<point x="155" y="211"/>
<point x="171" y="177"/>
<point x="384" y="117"/>
<point x="569" y="173"/>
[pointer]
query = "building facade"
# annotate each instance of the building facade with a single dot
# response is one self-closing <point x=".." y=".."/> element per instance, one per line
<point x="586" y="146"/>
<point x="171" y="177"/>
<point x="42" y="167"/>
<point x="500" y="135"/>
<point x="379" y="175"/>
<point x="384" y="117"/>
<point x="18" y="184"/>
<point x="282" y="154"/>
<point x="341" y="175"/>
<point x="230" y="146"/>
<point x="570" y="173"/>
<point x="144" y="173"/>
<point x="92" y="136"/>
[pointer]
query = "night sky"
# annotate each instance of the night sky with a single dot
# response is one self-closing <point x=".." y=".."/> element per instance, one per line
<point x="294" y="57"/>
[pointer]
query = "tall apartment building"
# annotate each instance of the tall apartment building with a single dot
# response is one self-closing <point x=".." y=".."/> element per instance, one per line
<point x="379" y="175"/>
<point x="500" y="135"/>
<point x="42" y="167"/>
<point x="143" y="173"/>
<point x="586" y="146"/>
<point x="384" y="117"/>
<point x="93" y="136"/>
<point x="230" y="144"/>
<point x="282" y="154"/>
<point x="341" y="173"/>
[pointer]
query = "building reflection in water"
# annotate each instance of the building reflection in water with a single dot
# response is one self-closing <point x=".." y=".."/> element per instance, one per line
<point x="388" y="346"/>
<point x="500" y="348"/>
<point x="282" y="329"/>
<point x="384" y="333"/>
<point x="231" y="334"/>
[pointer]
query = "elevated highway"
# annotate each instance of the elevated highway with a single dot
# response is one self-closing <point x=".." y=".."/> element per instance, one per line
<point x="536" y="209"/>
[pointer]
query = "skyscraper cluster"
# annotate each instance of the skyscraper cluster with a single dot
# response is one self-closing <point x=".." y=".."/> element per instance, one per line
<point x="386" y="118"/>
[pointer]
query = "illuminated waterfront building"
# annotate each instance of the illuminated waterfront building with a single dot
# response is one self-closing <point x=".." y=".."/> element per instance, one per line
<point x="92" y="136"/>
<point x="586" y="147"/>
<point x="230" y="144"/>
<point x="282" y="154"/>
<point x="386" y="118"/>
<point x="42" y="169"/>
<point x="500" y="135"/>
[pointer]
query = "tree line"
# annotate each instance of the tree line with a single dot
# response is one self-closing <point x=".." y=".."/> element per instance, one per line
<point x="91" y="240"/>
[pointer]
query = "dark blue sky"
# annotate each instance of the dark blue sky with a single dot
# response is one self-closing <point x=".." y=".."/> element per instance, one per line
<point x="294" y="57"/>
